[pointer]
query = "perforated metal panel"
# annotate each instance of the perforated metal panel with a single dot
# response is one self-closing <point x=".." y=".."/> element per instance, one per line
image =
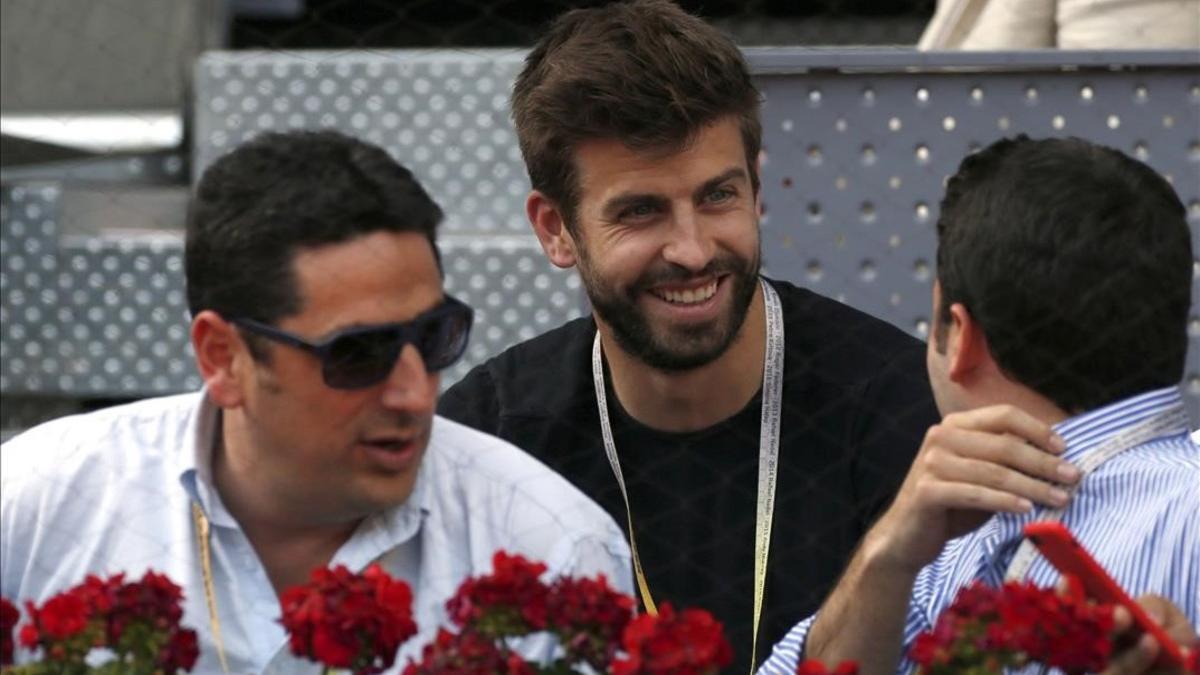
<point x="88" y="316"/>
<point x="858" y="146"/>
<point x="442" y="114"/>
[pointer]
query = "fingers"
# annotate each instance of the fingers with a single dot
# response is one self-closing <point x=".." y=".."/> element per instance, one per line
<point x="973" y="497"/>
<point x="1174" y="622"/>
<point x="1136" y="659"/>
<point x="999" y="462"/>
<point x="1011" y="420"/>
<point x="1004" y="479"/>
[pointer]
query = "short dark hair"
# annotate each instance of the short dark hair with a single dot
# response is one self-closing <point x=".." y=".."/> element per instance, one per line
<point x="646" y="73"/>
<point x="265" y="201"/>
<point x="1076" y="261"/>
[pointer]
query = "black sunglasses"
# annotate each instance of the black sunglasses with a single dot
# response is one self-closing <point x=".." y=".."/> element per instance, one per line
<point x="364" y="356"/>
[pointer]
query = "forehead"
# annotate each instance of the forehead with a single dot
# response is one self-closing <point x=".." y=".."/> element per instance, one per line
<point x="380" y="277"/>
<point x="607" y="168"/>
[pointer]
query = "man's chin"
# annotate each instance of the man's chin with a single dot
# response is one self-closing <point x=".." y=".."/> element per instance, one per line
<point x="677" y="355"/>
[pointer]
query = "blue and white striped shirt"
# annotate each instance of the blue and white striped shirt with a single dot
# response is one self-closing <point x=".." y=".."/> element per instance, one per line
<point x="1138" y="514"/>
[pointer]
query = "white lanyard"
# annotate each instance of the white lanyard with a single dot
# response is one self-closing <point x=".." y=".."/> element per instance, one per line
<point x="1164" y="422"/>
<point x="768" y="456"/>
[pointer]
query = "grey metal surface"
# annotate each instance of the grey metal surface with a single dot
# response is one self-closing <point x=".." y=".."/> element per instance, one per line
<point x="798" y="60"/>
<point x="88" y="316"/>
<point x="441" y="113"/>
<point x="857" y="146"/>
<point x="857" y="155"/>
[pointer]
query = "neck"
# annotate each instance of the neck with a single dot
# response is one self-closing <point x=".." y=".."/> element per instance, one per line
<point x="1005" y="390"/>
<point x="697" y="398"/>
<point x="289" y="546"/>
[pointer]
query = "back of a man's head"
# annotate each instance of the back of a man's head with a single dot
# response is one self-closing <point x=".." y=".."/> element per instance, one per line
<point x="281" y="193"/>
<point x="643" y="72"/>
<point x="1076" y="262"/>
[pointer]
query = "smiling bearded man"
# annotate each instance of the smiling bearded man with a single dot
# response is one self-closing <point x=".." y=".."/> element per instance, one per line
<point x="696" y="387"/>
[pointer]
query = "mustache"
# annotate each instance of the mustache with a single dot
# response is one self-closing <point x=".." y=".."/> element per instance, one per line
<point x="672" y="273"/>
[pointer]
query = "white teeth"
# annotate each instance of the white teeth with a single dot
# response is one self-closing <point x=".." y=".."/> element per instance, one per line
<point x="689" y="296"/>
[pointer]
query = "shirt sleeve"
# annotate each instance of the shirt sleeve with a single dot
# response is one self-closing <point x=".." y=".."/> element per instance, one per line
<point x="789" y="651"/>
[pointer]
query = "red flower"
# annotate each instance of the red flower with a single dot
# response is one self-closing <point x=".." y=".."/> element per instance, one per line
<point x="29" y="636"/>
<point x="511" y="601"/>
<point x="588" y="617"/>
<point x="1014" y="625"/>
<point x="137" y="621"/>
<point x="62" y="616"/>
<point x="691" y="642"/>
<point x="9" y="616"/>
<point x="347" y="620"/>
<point x="180" y="652"/>
<point x="467" y="653"/>
<point x="814" y="667"/>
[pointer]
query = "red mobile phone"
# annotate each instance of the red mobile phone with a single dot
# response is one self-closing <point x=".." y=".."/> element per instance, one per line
<point x="1069" y="557"/>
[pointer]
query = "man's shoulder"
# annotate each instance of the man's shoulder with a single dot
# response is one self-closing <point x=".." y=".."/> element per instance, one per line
<point x="844" y="342"/>
<point x="121" y="439"/>
<point x="475" y="465"/>
<point x="541" y="376"/>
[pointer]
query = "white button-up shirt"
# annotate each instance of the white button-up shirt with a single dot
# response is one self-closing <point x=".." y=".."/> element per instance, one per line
<point x="112" y="491"/>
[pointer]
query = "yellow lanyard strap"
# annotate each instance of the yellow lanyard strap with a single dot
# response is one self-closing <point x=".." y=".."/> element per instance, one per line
<point x="210" y="594"/>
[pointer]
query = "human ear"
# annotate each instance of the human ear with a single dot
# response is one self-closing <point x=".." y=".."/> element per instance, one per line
<point x="220" y="351"/>
<point x="548" y="224"/>
<point x="967" y="348"/>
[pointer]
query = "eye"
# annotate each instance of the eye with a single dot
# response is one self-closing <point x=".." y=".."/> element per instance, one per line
<point x="720" y="195"/>
<point x="639" y="212"/>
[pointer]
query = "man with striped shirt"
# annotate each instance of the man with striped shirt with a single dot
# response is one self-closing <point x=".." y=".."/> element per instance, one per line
<point x="1060" y="332"/>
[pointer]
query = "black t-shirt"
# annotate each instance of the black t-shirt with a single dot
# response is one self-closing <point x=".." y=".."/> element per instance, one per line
<point x="856" y="403"/>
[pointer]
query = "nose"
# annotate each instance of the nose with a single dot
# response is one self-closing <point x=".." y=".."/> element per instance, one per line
<point x="689" y="245"/>
<point x="410" y="387"/>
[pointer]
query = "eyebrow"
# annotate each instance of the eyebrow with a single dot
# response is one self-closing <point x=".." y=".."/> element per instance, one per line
<point x="712" y="183"/>
<point x="621" y="202"/>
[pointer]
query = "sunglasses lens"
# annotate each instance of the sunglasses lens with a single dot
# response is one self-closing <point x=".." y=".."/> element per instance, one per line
<point x="442" y="338"/>
<point x="362" y="359"/>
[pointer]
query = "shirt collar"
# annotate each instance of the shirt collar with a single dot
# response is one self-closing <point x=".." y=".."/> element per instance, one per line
<point x="195" y="452"/>
<point x="1084" y="433"/>
<point x="195" y="460"/>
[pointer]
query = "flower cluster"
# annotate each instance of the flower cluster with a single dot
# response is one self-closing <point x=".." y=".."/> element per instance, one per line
<point x="138" y="622"/>
<point x="589" y="618"/>
<point x="347" y="620"/>
<point x="510" y="601"/>
<point x="814" y="667"/>
<point x="690" y="642"/>
<point x="467" y="653"/>
<point x="593" y="624"/>
<point x="358" y="622"/>
<point x="586" y="616"/>
<point x="987" y="629"/>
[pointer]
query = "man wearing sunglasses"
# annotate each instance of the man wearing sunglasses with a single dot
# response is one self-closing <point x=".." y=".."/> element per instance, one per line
<point x="319" y="327"/>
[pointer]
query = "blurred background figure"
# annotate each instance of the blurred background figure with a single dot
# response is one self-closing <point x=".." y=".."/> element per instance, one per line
<point x="1066" y="24"/>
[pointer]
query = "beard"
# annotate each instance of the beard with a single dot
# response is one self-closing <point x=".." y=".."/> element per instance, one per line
<point x="671" y="348"/>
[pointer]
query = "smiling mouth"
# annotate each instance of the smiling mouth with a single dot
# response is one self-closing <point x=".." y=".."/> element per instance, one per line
<point x="687" y="296"/>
